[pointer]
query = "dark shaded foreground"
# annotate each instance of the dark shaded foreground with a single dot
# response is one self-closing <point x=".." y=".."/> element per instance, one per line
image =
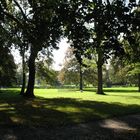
<point x="124" y="128"/>
<point x="41" y="119"/>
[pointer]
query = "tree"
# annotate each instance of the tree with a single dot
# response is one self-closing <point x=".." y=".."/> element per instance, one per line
<point x="7" y="65"/>
<point x="7" y="68"/>
<point x="132" y="43"/>
<point x="75" y="30"/>
<point x="40" y="26"/>
<point x="70" y="73"/>
<point x="90" y="75"/>
<point x="22" y="45"/>
<point x="22" y="52"/>
<point x="44" y="72"/>
<point x="135" y="71"/>
<point x="108" y="20"/>
<point x="119" y="72"/>
<point x="73" y="73"/>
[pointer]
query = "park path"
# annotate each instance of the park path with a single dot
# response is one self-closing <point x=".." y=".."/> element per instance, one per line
<point x="120" y="128"/>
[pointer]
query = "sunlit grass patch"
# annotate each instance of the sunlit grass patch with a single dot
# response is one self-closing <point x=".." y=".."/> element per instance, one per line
<point x="6" y="107"/>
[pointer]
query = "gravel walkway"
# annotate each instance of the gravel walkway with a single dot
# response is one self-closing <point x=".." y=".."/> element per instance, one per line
<point x="121" y="128"/>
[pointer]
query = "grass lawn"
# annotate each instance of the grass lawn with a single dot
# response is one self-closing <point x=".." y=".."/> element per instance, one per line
<point x="59" y="107"/>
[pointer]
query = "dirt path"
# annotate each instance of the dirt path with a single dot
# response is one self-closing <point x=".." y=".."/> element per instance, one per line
<point x="121" y="128"/>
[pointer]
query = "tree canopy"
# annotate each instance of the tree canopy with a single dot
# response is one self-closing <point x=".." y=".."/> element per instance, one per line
<point x="93" y="27"/>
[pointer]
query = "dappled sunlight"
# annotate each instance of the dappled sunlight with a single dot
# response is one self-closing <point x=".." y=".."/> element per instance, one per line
<point x="116" y="124"/>
<point x="52" y="109"/>
<point x="17" y="119"/>
<point x="6" y="106"/>
<point x="68" y="109"/>
<point x="10" y="137"/>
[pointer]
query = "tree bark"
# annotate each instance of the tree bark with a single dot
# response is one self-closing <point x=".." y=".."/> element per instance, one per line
<point x="100" y="74"/>
<point x="23" y="74"/>
<point x="139" y="82"/>
<point x="23" y="84"/>
<point x="31" y="80"/>
<point x="81" y="79"/>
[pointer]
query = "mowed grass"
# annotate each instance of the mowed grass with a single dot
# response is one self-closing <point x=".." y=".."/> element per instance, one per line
<point x="59" y="107"/>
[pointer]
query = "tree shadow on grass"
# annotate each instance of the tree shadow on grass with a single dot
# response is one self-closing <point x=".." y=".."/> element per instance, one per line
<point x="42" y="117"/>
<point x="54" y="112"/>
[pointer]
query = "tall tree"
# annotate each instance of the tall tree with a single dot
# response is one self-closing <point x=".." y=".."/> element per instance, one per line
<point x="70" y="73"/>
<point x="40" y="26"/>
<point x="7" y="68"/>
<point x="108" y="20"/>
<point x="132" y="41"/>
<point x="7" y="65"/>
<point x="44" y="72"/>
<point x="22" y="45"/>
<point x="75" y="30"/>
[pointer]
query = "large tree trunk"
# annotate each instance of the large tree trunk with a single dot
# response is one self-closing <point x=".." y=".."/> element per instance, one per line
<point x="23" y="74"/>
<point x="139" y="82"/>
<point x="31" y="80"/>
<point x="81" y="79"/>
<point x="100" y="74"/>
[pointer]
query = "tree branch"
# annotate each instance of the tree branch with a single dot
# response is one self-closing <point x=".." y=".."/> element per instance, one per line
<point x="12" y="17"/>
<point x="18" y="5"/>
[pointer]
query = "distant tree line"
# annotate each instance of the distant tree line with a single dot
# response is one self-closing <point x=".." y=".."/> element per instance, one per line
<point x="118" y="72"/>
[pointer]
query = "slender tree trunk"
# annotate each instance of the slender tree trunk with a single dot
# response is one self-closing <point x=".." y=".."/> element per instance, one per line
<point x="139" y="82"/>
<point x="81" y="79"/>
<point x="23" y="74"/>
<point x="23" y="84"/>
<point x="100" y="74"/>
<point x="31" y="81"/>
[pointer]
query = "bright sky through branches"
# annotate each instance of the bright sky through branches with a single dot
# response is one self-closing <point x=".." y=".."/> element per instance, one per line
<point x="58" y="55"/>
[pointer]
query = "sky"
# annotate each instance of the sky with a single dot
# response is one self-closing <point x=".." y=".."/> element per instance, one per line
<point x="60" y="54"/>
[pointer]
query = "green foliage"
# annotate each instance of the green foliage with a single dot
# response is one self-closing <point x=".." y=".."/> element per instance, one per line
<point x="7" y="68"/>
<point x="135" y="69"/>
<point x="96" y="25"/>
<point x="45" y="75"/>
<point x="69" y="74"/>
<point x="132" y="47"/>
<point x="39" y="25"/>
<point x="7" y="65"/>
<point x="90" y="72"/>
<point x="121" y="72"/>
